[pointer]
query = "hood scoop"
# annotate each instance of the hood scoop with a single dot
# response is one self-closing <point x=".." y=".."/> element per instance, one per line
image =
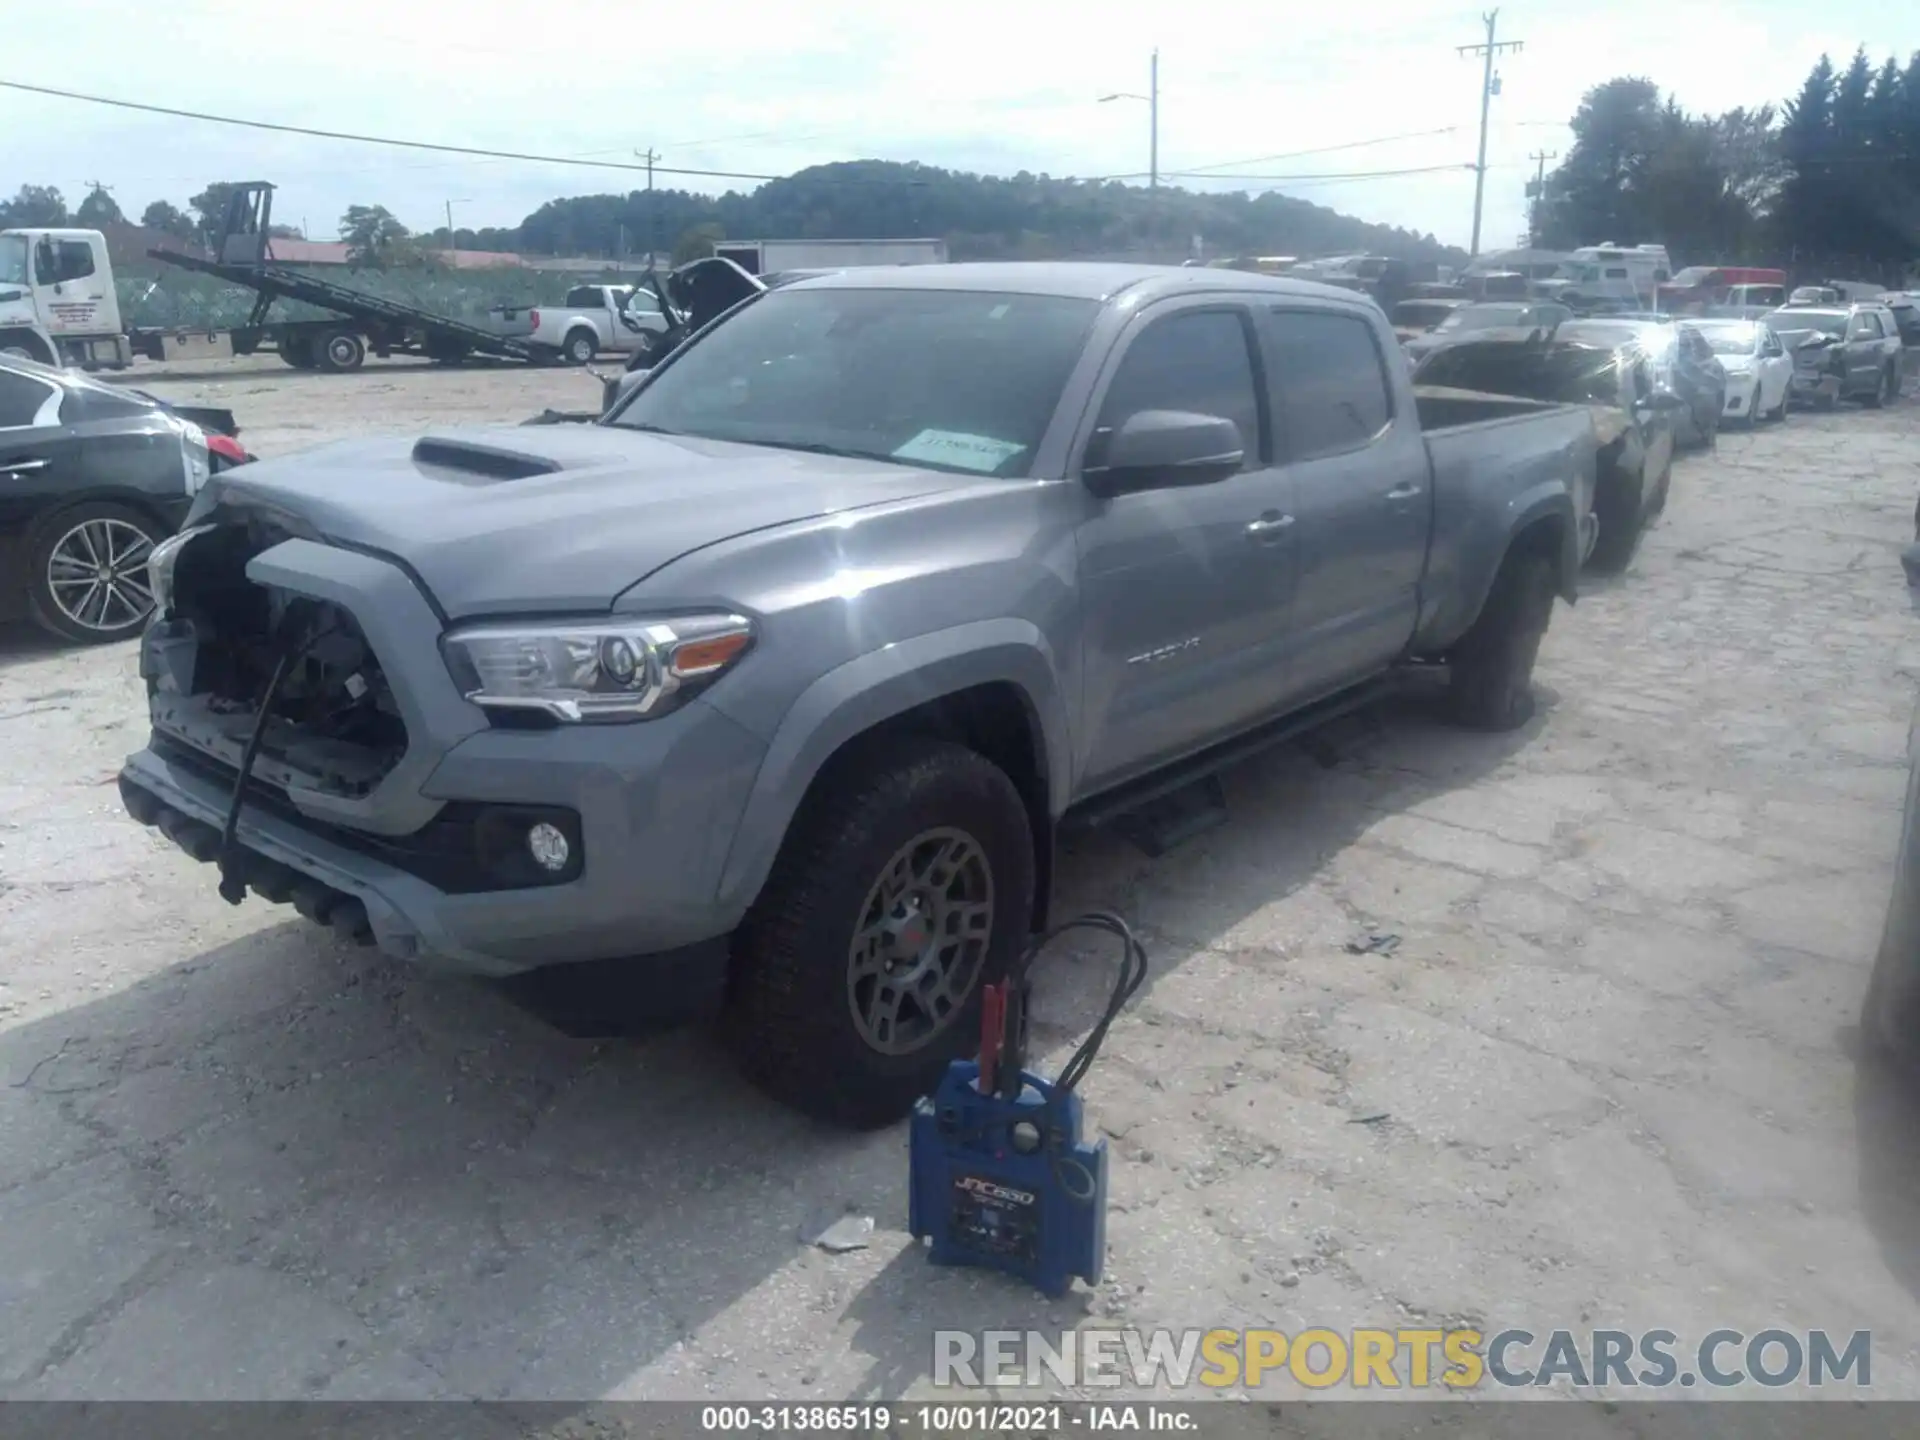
<point x="468" y="463"/>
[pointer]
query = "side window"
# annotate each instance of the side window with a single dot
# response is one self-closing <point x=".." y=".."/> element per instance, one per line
<point x="1329" y="387"/>
<point x="1198" y="361"/>
<point x="73" y="259"/>
<point x="1866" y="326"/>
<point x="1617" y="273"/>
<point x="21" y="399"/>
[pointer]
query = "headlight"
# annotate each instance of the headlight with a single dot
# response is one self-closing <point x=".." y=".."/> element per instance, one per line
<point x="602" y="670"/>
<point x="160" y="565"/>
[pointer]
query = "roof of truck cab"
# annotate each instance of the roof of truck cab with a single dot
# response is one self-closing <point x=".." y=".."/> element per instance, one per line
<point x="1082" y="279"/>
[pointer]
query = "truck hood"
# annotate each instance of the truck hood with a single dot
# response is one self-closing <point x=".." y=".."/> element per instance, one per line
<point x="512" y="520"/>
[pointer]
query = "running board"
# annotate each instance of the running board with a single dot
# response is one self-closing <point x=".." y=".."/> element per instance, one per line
<point x="1152" y="814"/>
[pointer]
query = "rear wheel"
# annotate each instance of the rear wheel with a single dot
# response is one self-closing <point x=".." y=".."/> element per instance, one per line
<point x="89" y="574"/>
<point x="580" y="347"/>
<point x="905" y="884"/>
<point x="340" y="350"/>
<point x="1490" y="684"/>
<point x="297" y="351"/>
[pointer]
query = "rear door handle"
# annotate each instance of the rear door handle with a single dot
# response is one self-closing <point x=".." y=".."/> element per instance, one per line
<point x="1268" y="526"/>
<point x="21" y="467"/>
<point x="1404" y="492"/>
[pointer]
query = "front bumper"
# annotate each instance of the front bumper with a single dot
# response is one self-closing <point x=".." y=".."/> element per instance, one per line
<point x="657" y="803"/>
<point x="1740" y="390"/>
<point x="1815" y="385"/>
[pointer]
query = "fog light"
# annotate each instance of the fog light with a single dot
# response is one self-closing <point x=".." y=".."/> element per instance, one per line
<point x="548" y="847"/>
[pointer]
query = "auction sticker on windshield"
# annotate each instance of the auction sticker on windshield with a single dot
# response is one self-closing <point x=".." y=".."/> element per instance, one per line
<point x="951" y="447"/>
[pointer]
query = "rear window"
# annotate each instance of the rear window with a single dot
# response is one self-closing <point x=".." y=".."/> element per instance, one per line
<point x="585" y="297"/>
<point x="1570" y="374"/>
<point x="1329" y="387"/>
<point x="21" y="399"/>
<point x="957" y="380"/>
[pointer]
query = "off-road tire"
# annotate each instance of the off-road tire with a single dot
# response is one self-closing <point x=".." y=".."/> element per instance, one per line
<point x="789" y="1016"/>
<point x="1490" y="679"/>
<point x="580" y="347"/>
<point x="1616" y="507"/>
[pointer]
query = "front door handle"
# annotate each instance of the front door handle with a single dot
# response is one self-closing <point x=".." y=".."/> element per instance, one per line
<point x="21" y="467"/>
<point x="1404" y="492"/>
<point x="1269" y="526"/>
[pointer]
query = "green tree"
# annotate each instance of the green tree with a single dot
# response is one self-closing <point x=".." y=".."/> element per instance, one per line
<point x="210" y="209"/>
<point x="373" y="235"/>
<point x="697" y="242"/>
<point x="99" y="209"/>
<point x="38" y="205"/>
<point x="168" y="218"/>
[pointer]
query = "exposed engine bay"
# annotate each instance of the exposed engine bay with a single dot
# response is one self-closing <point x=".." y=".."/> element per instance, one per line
<point x="333" y="724"/>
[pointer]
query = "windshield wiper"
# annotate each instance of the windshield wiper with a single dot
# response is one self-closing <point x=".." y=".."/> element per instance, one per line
<point x="645" y="428"/>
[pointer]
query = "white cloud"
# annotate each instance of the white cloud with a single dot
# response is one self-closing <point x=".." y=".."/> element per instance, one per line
<point x="995" y="85"/>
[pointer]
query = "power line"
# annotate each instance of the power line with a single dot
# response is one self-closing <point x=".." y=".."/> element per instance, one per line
<point x="384" y="139"/>
<point x="1323" y="150"/>
<point x="1489" y="48"/>
<point x="1349" y="175"/>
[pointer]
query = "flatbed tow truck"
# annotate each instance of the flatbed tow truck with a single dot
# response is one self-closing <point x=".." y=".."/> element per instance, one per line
<point x="58" y="304"/>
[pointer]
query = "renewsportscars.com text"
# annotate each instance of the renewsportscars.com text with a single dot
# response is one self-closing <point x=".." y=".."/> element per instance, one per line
<point x="1456" y="1359"/>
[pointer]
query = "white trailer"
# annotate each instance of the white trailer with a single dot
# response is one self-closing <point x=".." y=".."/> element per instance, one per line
<point x="770" y="257"/>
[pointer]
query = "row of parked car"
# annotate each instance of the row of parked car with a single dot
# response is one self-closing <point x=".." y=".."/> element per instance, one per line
<point x="1728" y="369"/>
<point x="1661" y="382"/>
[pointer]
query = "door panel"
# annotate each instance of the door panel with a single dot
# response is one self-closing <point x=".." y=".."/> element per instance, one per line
<point x="1185" y="603"/>
<point x="1362" y="492"/>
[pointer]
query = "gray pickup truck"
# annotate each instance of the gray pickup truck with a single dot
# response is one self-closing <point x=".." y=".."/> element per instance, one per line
<point x="775" y="686"/>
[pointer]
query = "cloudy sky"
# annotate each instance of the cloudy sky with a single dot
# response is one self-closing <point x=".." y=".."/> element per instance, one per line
<point x="991" y="86"/>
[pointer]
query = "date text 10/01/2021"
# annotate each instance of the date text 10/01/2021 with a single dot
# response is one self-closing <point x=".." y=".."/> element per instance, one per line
<point x="943" y="1419"/>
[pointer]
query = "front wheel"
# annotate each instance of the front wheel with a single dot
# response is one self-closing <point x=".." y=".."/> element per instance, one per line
<point x="1490" y="681"/>
<point x="89" y="574"/>
<point x="905" y="884"/>
<point x="1617" y="510"/>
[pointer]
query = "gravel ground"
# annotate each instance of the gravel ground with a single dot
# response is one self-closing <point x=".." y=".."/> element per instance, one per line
<point x="1607" y="1077"/>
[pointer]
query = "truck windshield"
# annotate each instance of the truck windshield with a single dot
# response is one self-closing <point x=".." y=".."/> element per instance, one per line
<point x="13" y="260"/>
<point x="960" y="380"/>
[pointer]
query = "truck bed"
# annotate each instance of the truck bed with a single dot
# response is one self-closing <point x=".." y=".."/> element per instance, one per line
<point x="271" y="281"/>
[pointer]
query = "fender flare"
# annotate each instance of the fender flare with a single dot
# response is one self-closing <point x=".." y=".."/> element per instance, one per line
<point x="855" y="697"/>
<point x="1548" y="500"/>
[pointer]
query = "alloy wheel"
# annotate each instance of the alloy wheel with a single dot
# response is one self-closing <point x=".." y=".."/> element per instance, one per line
<point x="97" y="575"/>
<point x="920" y="941"/>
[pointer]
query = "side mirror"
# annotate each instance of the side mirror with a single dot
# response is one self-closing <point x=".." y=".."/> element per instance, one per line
<point x="1163" y="449"/>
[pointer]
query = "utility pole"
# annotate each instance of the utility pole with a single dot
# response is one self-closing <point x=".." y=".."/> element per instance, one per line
<point x="1153" y="122"/>
<point x="1152" y="99"/>
<point x="453" y="245"/>
<point x="653" y="216"/>
<point x="1489" y="49"/>
<point x="1539" y="192"/>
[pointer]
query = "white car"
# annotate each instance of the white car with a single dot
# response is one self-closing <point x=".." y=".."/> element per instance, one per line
<point x="1759" y="370"/>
